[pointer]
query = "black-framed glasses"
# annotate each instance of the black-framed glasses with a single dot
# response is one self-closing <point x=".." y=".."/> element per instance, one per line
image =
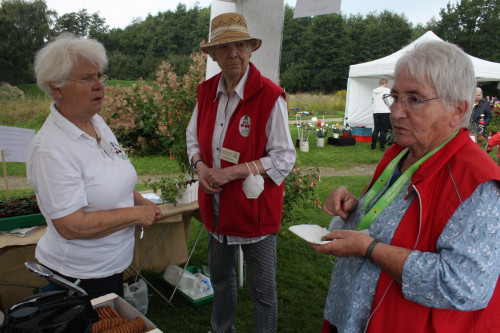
<point x="91" y="79"/>
<point x="410" y="103"/>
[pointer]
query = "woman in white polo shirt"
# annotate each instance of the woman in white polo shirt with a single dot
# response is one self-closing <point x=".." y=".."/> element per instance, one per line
<point x="83" y="180"/>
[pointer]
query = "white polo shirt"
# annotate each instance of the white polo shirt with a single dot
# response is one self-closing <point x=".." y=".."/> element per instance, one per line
<point x="68" y="169"/>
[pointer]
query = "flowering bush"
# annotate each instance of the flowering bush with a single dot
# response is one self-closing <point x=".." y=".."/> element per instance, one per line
<point x="300" y="189"/>
<point x="494" y="125"/>
<point x="152" y="119"/>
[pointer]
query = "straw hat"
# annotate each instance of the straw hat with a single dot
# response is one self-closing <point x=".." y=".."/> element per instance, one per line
<point x="229" y="27"/>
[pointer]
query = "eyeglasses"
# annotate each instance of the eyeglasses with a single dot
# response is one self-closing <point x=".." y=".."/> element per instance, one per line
<point x="91" y="79"/>
<point x="409" y="102"/>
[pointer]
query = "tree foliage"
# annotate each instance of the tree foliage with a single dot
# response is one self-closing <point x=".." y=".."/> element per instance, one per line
<point x="82" y="24"/>
<point x="315" y="56"/>
<point x="473" y="25"/>
<point x="24" y="28"/>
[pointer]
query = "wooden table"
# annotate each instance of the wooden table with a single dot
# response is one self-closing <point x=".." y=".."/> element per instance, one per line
<point x="171" y="248"/>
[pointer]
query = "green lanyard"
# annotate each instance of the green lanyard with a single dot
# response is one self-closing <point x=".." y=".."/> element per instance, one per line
<point x="395" y="189"/>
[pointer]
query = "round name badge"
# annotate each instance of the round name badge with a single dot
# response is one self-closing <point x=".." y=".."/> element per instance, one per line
<point x="245" y="126"/>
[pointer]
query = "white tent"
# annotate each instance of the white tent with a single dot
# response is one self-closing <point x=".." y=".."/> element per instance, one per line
<point x="363" y="78"/>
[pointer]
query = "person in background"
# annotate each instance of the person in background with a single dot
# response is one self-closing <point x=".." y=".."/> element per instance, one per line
<point x="83" y="180"/>
<point x="240" y="146"/>
<point x="482" y="108"/>
<point x="381" y="114"/>
<point x="420" y="249"/>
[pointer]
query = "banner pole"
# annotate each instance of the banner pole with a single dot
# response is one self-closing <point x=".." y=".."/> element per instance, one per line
<point x="5" y="177"/>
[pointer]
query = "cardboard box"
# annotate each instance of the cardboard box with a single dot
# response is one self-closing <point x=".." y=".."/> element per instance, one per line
<point x="123" y="308"/>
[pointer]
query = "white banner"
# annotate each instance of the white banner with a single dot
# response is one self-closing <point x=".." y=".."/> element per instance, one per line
<point x="305" y="8"/>
<point x="15" y="142"/>
<point x="264" y="21"/>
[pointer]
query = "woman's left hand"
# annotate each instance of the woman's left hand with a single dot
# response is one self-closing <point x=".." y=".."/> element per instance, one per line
<point x="345" y="243"/>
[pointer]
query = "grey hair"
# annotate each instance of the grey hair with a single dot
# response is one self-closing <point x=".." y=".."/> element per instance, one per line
<point x="479" y="90"/>
<point x="55" y="61"/>
<point x="447" y="68"/>
<point x="211" y="49"/>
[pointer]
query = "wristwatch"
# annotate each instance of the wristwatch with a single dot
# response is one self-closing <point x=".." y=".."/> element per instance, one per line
<point x="193" y="164"/>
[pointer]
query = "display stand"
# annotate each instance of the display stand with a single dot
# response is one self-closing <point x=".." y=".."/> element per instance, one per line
<point x="341" y="142"/>
<point x="173" y="229"/>
<point x="143" y="258"/>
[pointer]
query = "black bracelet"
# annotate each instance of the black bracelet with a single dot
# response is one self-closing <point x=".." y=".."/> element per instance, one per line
<point x="194" y="164"/>
<point x="369" y="251"/>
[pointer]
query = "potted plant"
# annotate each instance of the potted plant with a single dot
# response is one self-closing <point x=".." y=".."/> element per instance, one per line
<point x="346" y="131"/>
<point x="337" y="130"/>
<point x="175" y="188"/>
<point x="20" y="213"/>
<point x="321" y="134"/>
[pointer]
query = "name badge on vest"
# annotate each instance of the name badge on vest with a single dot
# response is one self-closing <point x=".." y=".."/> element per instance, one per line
<point x="229" y="155"/>
<point x="245" y="126"/>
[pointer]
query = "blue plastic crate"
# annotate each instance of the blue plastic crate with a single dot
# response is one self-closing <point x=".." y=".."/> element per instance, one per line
<point x="361" y="131"/>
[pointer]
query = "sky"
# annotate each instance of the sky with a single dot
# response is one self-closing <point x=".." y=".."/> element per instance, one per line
<point x="120" y="13"/>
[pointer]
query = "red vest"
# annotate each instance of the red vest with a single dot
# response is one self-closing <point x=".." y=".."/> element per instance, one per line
<point x="238" y="215"/>
<point x="470" y="166"/>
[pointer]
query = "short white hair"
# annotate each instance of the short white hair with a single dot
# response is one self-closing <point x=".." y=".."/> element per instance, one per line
<point x="55" y="61"/>
<point x="447" y="68"/>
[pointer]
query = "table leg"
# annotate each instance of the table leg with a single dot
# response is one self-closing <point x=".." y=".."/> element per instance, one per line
<point x="148" y="283"/>
<point x="186" y="264"/>
<point x="150" y="252"/>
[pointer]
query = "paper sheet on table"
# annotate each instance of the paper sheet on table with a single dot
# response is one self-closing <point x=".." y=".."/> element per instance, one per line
<point x="153" y="197"/>
<point x="20" y="232"/>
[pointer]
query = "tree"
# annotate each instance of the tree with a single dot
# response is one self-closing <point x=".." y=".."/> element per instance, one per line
<point x="25" y="28"/>
<point x="474" y="26"/>
<point x="82" y="24"/>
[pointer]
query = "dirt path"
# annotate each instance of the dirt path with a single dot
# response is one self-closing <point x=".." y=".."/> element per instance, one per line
<point x="355" y="169"/>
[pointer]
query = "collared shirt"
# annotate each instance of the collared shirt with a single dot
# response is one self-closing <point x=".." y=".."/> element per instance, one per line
<point x="469" y="242"/>
<point x="69" y="170"/>
<point x="280" y="156"/>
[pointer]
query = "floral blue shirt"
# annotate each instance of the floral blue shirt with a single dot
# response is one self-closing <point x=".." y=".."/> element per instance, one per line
<point x="461" y="275"/>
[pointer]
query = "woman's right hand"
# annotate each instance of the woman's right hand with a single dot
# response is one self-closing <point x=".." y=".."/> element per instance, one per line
<point x="340" y="202"/>
<point x="204" y="179"/>
<point x="146" y="215"/>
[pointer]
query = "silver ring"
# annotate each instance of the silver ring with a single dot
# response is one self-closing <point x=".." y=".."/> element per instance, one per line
<point x="212" y="184"/>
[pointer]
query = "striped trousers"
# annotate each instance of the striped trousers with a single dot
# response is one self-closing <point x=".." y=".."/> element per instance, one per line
<point x="261" y="262"/>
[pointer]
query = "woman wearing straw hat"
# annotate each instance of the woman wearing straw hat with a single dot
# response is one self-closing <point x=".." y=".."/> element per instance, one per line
<point x="240" y="146"/>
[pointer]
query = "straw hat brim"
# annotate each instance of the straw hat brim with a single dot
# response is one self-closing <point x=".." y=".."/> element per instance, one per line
<point x="229" y="39"/>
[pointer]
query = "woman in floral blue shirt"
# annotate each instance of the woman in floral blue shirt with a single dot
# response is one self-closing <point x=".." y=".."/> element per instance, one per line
<point x="419" y="251"/>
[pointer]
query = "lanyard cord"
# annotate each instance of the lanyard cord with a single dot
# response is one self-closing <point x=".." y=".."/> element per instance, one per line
<point x="395" y="189"/>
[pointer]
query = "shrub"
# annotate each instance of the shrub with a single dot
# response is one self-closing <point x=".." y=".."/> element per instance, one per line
<point x="300" y="190"/>
<point x="152" y="118"/>
<point x="19" y="207"/>
<point x="494" y="125"/>
<point x="8" y="91"/>
<point x="339" y="100"/>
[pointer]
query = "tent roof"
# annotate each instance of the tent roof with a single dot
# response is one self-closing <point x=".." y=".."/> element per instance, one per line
<point x="384" y="67"/>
